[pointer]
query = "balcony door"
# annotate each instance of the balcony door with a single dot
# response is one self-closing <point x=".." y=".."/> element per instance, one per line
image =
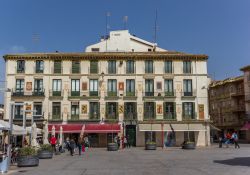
<point x="149" y="87"/>
<point x="75" y="87"/>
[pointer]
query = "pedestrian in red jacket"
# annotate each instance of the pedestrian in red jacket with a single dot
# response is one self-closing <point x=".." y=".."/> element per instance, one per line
<point x="53" y="141"/>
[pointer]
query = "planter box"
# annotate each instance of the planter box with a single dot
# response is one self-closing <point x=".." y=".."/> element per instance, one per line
<point x="27" y="161"/>
<point x="188" y="146"/>
<point x="112" y="147"/>
<point x="44" y="154"/>
<point x="150" y="146"/>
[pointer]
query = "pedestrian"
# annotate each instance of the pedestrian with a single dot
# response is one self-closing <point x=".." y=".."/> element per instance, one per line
<point x="72" y="146"/>
<point x="53" y="141"/>
<point x="235" y="139"/>
<point x="125" y="142"/>
<point x="118" y="141"/>
<point x="86" y="143"/>
<point x="79" y="145"/>
<point x="220" y="142"/>
<point x="228" y="139"/>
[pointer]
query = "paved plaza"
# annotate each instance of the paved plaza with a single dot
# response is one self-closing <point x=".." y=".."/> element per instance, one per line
<point x="137" y="161"/>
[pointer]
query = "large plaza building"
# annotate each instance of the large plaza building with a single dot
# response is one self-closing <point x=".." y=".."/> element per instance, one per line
<point x="121" y="85"/>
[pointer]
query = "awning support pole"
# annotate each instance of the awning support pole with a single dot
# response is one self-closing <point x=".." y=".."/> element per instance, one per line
<point x="162" y="135"/>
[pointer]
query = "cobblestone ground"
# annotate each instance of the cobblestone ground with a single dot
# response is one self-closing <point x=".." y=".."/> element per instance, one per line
<point x="136" y="161"/>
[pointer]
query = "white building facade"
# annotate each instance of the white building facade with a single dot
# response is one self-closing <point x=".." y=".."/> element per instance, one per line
<point x="135" y="89"/>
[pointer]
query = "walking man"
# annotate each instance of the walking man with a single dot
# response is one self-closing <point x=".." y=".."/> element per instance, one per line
<point x="53" y="141"/>
<point x="235" y="139"/>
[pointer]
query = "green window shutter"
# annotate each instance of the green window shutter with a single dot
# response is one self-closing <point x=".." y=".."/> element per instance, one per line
<point x="183" y="108"/>
<point x="93" y="66"/>
<point x="116" y="110"/>
<point x="154" y="115"/>
<point x="98" y="108"/>
<point x="174" y="110"/>
<point x="107" y="108"/>
<point x="57" y="66"/>
<point x="193" y="112"/>
<point x="164" y="110"/>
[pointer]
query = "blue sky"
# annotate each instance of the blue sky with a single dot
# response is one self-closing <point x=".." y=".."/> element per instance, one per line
<point x="218" y="28"/>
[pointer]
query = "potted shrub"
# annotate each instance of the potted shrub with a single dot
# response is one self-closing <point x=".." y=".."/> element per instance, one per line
<point x="150" y="146"/>
<point x="45" y="152"/>
<point x="27" y="156"/>
<point x="188" y="145"/>
<point x="112" y="146"/>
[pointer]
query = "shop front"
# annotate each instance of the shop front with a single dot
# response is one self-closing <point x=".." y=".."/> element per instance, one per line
<point x="98" y="134"/>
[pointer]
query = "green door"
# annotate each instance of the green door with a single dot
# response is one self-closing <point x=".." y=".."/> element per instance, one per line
<point x="131" y="134"/>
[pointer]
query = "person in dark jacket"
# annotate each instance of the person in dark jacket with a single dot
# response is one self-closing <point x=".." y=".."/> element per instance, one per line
<point x="72" y="146"/>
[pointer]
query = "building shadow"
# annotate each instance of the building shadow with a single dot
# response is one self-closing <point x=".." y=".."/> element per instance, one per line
<point x="239" y="161"/>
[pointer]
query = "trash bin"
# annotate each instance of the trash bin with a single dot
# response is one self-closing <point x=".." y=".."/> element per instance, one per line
<point x="4" y="163"/>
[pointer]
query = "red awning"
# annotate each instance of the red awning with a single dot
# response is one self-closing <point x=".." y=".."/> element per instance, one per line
<point x="246" y="126"/>
<point x="89" y="128"/>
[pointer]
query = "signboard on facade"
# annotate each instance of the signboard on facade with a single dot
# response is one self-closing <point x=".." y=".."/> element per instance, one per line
<point x="84" y="86"/>
<point x="84" y="109"/>
<point x="121" y="86"/>
<point x="159" y="109"/>
<point x="158" y="85"/>
<point x="29" y="86"/>
<point x="121" y="109"/>
<point x="201" y="111"/>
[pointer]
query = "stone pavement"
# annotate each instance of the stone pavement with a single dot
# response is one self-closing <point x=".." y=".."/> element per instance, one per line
<point x="137" y="161"/>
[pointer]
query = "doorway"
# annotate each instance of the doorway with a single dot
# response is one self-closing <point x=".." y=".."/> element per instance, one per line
<point x="131" y="134"/>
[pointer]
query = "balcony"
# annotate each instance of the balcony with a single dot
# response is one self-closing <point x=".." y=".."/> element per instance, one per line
<point x="191" y="94"/>
<point x="55" y="95"/>
<point x="111" y="95"/>
<point x="130" y="96"/>
<point x="130" y="116"/>
<point x="149" y="116"/>
<point x="112" y="116"/>
<point x="237" y="92"/>
<point x="94" y="116"/>
<point x="73" y="117"/>
<point x="20" y="93"/>
<point x="169" y="116"/>
<point x="189" y="117"/>
<point x="158" y="95"/>
<point x="84" y="95"/>
<point x="55" y="117"/>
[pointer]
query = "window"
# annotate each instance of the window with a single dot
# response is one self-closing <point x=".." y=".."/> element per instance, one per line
<point x="76" y="67"/>
<point x="38" y="87"/>
<point x="112" y="67"/>
<point x="188" y="110"/>
<point x="149" y="87"/>
<point x="75" y="87"/>
<point x="93" y="87"/>
<point x="112" y="110"/>
<point x="94" y="110"/>
<point x="20" y="86"/>
<point x="39" y="66"/>
<point x="57" y="85"/>
<point x="130" y="112"/>
<point x="95" y="49"/>
<point x="169" y="110"/>
<point x="130" y="87"/>
<point x="130" y="67"/>
<point x="149" y="66"/>
<point x="149" y="110"/>
<point x="168" y="67"/>
<point x="112" y="87"/>
<point x="186" y="67"/>
<point x="20" y="66"/>
<point x="187" y="87"/>
<point x="169" y="89"/>
<point x="38" y="110"/>
<point x="74" y="110"/>
<point x="57" y="67"/>
<point x="18" y="112"/>
<point x="94" y="67"/>
<point x="56" y="110"/>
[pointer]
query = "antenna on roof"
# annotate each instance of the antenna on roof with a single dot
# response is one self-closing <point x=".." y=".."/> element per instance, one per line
<point x="125" y="21"/>
<point x="108" y="14"/>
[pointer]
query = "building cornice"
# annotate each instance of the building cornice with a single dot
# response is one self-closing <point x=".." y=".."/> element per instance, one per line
<point x="108" y="55"/>
<point x="245" y="68"/>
